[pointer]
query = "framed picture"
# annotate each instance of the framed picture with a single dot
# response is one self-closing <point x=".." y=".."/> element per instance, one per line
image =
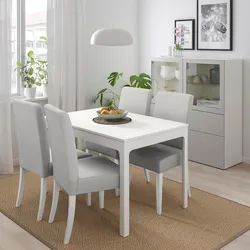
<point x="215" y="25"/>
<point x="184" y="33"/>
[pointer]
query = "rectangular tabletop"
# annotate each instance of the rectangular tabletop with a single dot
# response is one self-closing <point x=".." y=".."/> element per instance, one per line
<point x="140" y="126"/>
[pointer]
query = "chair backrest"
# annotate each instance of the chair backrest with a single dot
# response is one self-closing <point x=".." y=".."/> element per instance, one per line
<point x="63" y="148"/>
<point x="174" y="107"/>
<point x="136" y="100"/>
<point x="32" y="138"/>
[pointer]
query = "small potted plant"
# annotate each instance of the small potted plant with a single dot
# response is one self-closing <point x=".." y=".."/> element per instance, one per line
<point x="28" y="73"/>
<point x="109" y="98"/>
<point x="179" y="37"/>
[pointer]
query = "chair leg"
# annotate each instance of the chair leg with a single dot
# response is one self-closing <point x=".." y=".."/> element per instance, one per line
<point x="56" y="192"/>
<point x="88" y="199"/>
<point x="101" y="199"/>
<point x="147" y="175"/>
<point x="188" y="189"/>
<point x="117" y="192"/>
<point x="159" y="183"/>
<point x="71" y="217"/>
<point x="21" y="186"/>
<point x="43" y="194"/>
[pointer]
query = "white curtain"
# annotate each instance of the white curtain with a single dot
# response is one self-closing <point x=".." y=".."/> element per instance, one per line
<point x="6" y="158"/>
<point x="66" y="45"/>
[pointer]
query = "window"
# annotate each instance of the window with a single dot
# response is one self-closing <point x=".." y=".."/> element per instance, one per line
<point x="29" y="24"/>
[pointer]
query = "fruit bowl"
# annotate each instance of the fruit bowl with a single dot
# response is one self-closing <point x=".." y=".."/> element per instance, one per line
<point x="111" y="115"/>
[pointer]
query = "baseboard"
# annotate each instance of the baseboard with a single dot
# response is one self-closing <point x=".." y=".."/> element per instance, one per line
<point x="246" y="160"/>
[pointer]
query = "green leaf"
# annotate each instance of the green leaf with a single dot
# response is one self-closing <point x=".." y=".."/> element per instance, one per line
<point x="102" y="91"/>
<point x="114" y="77"/>
<point x="142" y="81"/>
<point x="31" y="71"/>
<point x="43" y="38"/>
<point x="101" y="100"/>
<point x="30" y="53"/>
<point x="19" y="65"/>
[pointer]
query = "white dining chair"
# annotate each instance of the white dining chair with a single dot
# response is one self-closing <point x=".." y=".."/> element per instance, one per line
<point x="165" y="156"/>
<point x="33" y="147"/>
<point x="75" y="176"/>
<point x="135" y="100"/>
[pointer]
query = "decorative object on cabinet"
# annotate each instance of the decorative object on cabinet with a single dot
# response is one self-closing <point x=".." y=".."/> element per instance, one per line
<point x="177" y="74"/>
<point x="197" y="80"/>
<point x="214" y="75"/>
<point x="185" y="33"/>
<point x="166" y="73"/>
<point x="204" y="79"/>
<point x="170" y="51"/>
<point x="215" y="25"/>
<point x="177" y="52"/>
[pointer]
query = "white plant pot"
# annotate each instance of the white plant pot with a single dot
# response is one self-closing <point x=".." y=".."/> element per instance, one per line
<point x="30" y="93"/>
<point x="44" y="88"/>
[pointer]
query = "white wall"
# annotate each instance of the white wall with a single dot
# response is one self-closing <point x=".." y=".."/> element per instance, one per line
<point x="101" y="61"/>
<point x="156" y="24"/>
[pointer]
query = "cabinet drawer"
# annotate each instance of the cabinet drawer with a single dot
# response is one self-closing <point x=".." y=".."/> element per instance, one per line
<point x="206" y="149"/>
<point x="207" y="122"/>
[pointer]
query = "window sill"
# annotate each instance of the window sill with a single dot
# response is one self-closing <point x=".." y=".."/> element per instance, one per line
<point x="36" y="99"/>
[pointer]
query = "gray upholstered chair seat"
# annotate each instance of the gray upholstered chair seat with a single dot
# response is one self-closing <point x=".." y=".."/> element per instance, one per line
<point x="97" y="173"/>
<point x="102" y="149"/>
<point x="157" y="158"/>
<point x="82" y="154"/>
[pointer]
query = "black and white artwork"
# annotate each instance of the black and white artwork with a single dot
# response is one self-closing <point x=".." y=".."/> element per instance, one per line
<point x="215" y="24"/>
<point x="185" y="33"/>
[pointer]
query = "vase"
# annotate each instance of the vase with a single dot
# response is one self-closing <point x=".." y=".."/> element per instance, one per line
<point x="215" y="75"/>
<point x="177" y="53"/>
<point x="177" y="74"/>
<point x="30" y="93"/>
<point x="197" y="80"/>
<point x="44" y="88"/>
<point x="167" y="72"/>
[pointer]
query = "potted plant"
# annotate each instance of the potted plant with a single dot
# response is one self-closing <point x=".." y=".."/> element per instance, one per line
<point x="28" y="74"/>
<point x="42" y="68"/>
<point x="109" y="98"/>
<point x="179" y="37"/>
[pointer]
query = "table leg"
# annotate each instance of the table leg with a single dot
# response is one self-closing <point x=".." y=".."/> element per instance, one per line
<point x="185" y="171"/>
<point x="124" y="193"/>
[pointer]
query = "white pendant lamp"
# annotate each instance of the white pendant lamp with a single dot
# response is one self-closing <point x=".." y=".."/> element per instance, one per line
<point x="111" y="37"/>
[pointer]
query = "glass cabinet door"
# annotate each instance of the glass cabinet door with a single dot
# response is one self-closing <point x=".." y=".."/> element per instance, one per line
<point x="204" y="80"/>
<point x="166" y="76"/>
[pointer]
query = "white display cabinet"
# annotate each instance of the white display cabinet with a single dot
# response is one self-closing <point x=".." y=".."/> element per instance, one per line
<point x="215" y="136"/>
<point x="215" y="122"/>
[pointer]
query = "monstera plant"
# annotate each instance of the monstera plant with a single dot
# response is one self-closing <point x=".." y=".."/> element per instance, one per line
<point x="109" y="98"/>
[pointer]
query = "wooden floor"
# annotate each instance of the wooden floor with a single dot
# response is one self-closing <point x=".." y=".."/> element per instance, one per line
<point x="233" y="184"/>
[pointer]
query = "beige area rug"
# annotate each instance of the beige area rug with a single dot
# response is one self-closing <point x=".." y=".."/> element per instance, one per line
<point x="210" y="222"/>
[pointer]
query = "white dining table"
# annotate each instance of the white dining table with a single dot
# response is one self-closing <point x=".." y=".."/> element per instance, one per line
<point x="142" y="131"/>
